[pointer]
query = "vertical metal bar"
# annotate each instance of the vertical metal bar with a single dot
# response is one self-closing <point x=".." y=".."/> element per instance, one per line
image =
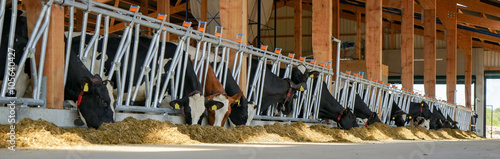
<point x="42" y="54"/>
<point x="183" y="73"/>
<point x="69" y="41"/>
<point x="10" y="44"/>
<point x="83" y="34"/>
<point x="2" y="17"/>
<point x="134" y="61"/>
<point x="160" y="69"/>
<point x="104" y="46"/>
<point x="118" y="55"/>
<point x="96" y="43"/>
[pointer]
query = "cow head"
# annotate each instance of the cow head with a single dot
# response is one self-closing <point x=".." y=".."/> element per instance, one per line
<point x="194" y="107"/>
<point x="96" y="106"/>
<point x="400" y="118"/>
<point x="421" y="121"/>
<point x="452" y="122"/>
<point x="287" y="106"/>
<point x="347" y="119"/>
<point x="217" y="117"/>
<point x="241" y="112"/>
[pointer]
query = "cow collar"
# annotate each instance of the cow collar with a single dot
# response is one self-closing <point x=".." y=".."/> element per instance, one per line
<point x="194" y="92"/>
<point x="340" y="114"/>
<point x="289" y="91"/>
<point x="370" y="118"/>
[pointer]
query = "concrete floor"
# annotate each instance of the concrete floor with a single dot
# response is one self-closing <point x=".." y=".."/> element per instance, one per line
<point x="386" y="150"/>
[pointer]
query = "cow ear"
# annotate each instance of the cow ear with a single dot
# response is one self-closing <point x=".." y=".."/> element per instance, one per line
<point x="237" y="98"/>
<point x="213" y="105"/>
<point x="300" y="86"/>
<point x="313" y="74"/>
<point x="177" y="104"/>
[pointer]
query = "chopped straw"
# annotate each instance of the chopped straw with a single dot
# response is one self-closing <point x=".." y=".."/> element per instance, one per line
<point x="41" y="134"/>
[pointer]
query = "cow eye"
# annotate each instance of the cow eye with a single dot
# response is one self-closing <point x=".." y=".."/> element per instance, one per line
<point x="104" y="101"/>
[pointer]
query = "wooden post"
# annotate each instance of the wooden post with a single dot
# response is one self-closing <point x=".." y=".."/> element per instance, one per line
<point x="54" y="57"/>
<point x="297" y="17"/>
<point x="393" y="37"/>
<point x="322" y="30"/>
<point x="373" y="38"/>
<point x="234" y="19"/>
<point x="407" y="44"/>
<point x="448" y="16"/>
<point x="358" y="34"/>
<point x="335" y="30"/>
<point x="430" y="51"/>
<point x="144" y="10"/>
<point x="163" y="7"/>
<point x="465" y="44"/>
<point x="203" y="10"/>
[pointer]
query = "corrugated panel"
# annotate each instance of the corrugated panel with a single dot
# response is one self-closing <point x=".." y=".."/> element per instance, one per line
<point x="491" y="59"/>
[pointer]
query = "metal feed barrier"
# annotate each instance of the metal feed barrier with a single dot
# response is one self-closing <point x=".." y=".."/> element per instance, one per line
<point x="208" y="48"/>
<point x="379" y="96"/>
<point x="152" y="68"/>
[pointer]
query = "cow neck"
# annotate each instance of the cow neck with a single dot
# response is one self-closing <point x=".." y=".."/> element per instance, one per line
<point x="370" y="118"/>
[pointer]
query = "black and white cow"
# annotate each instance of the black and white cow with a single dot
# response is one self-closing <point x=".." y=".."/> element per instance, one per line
<point x="438" y="120"/>
<point x="397" y="115"/>
<point x="279" y="90"/>
<point x="330" y="108"/>
<point x="91" y="94"/>
<point x="454" y="124"/>
<point x="420" y="114"/>
<point x="362" y="111"/>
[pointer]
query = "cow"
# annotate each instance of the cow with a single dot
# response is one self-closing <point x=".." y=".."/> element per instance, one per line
<point x="452" y="122"/>
<point x="362" y="111"/>
<point x="91" y="94"/>
<point x="438" y="120"/>
<point x="397" y="115"/>
<point x="215" y="91"/>
<point x="330" y="108"/>
<point x="420" y="113"/>
<point x="279" y="90"/>
<point x="242" y="111"/>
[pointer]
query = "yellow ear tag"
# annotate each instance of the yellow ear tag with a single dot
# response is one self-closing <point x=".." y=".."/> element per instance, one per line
<point x="177" y="106"/>
<point x="409" y="117"/>
<point x="214" y="107"/>
<point x="237" y="101"/>
<point x="301" y="88"/>
<point x="422" y="104"/>
<point x="393" y="118"/>
<point x="312" y="76"/>
<point x="86" y="87"/>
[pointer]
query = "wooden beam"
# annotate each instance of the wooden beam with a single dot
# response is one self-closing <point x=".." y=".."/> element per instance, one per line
<point x="465" y="44"/>
<point x="54" y="57"/>
<point x="358" y="35"/>
<point x="492" y="68"/>
<point x="479" y="21"/>
<point x="430" y="51"/>
<point x="335" y="29"/>
<point x="428" y="4"/>
<point x="407" y="44"/>
<point x="203" y="10"/>
<point x="393" y="38"/>
<point x="373" y="38"/>
<point x="234" y="19"/>
<point x="322" y="30"/>
<point x="163" y="6"/>
<point x="447" y="15"/>
<point x="297" y="12"/>
<point x="480" y="7"/>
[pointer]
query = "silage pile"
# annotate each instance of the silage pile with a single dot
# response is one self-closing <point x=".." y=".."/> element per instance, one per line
<point x="39" y="133"/>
